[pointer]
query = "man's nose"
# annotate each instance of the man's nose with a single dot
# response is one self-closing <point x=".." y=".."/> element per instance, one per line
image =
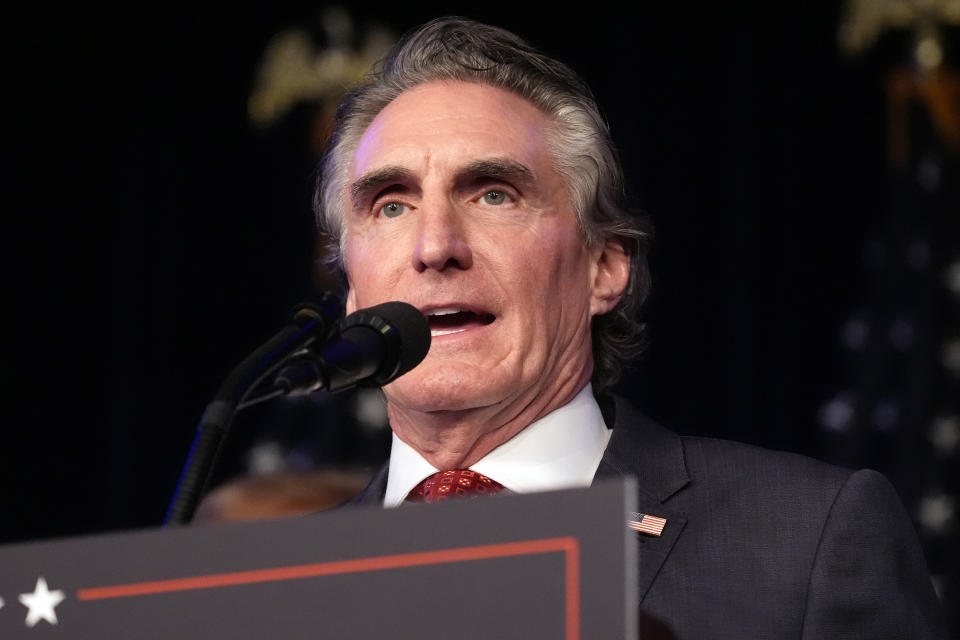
<point x="441" y="243"/>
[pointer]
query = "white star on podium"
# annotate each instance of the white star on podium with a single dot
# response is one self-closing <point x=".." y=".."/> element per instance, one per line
<point x="41" y="603"/>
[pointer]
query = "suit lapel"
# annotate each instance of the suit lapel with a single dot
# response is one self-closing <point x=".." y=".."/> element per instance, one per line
<point x="638" y="447"/>
<point x="645" y="450"/>
<point x="653" y="551"/>
<point x="372" y="495"/>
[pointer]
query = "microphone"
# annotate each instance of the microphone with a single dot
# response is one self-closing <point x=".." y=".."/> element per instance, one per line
<point x="310" y="322"/>
<point x="370" y="347"/>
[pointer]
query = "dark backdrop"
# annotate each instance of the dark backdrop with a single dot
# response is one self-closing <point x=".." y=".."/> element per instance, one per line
<point x="154" y="236"/>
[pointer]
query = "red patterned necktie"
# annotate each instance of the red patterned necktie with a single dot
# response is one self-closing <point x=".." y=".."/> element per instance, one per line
<point x="459" y="483"/>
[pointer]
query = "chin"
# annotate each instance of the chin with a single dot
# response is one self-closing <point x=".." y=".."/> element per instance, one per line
<point x="441" y="390"/>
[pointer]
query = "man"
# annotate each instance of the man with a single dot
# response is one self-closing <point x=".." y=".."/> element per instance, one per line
<point x="475" y="178"/>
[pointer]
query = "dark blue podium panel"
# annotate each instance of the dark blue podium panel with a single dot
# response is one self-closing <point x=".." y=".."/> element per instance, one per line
<point x="549" y="565"/>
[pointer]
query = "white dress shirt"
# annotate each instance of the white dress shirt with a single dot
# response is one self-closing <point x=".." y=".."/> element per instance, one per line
<point x="561" y="450"/>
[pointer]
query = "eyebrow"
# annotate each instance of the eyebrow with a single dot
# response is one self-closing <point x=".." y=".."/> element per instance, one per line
<point x="361" y="190"/>
<point x="492" y="168"/>
<point x="495" y="168"/>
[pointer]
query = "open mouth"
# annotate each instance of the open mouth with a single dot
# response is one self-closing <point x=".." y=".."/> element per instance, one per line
<point x="447" y="321"/>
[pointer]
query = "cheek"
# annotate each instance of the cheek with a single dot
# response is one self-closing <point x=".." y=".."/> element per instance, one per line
<point x="371" y="264"/>
<point x="362" y="290"/>
<point x="549" y="278"/>
<point x="567" y="267"/>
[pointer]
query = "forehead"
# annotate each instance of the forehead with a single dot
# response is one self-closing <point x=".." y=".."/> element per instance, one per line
<point x="448" y="122"/>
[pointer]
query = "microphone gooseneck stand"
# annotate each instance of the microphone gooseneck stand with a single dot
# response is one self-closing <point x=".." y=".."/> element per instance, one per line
<point x="310" y="322"/>
<point x="370" y="347"/>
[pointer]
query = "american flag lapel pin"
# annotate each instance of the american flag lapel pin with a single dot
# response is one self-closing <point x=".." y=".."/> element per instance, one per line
<point x="650" y="525"/>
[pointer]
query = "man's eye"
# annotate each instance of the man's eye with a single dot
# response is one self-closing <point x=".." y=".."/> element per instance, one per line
<point x="495" y="197"/>
<point x="393" y="209"/>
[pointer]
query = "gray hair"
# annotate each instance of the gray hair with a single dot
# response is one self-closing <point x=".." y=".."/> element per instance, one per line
<point x="580" y="145"/>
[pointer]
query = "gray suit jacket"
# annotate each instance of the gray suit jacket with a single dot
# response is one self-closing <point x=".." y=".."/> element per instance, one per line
<point x="762" y="544"/>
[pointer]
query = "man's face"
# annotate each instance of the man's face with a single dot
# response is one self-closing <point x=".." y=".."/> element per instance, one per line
<point x="453" y="205"/>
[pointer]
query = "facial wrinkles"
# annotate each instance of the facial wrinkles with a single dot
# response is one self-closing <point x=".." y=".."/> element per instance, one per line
<point x="529" y="266"/>
<point x="519" y="408"/>
<point x="365" y="151"/>
<point x="555" y="362"/>
<point x="572" y="325"/>
<point x="489" y="278"/>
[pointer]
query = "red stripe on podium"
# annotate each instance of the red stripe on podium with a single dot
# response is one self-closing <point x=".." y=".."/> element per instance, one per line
<point x="569" y="546"/>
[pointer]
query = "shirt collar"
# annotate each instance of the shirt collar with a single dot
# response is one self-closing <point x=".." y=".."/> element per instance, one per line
<point x="561" y="450"/>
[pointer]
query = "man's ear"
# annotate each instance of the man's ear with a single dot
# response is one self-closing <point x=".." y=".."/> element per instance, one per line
<point x="611" y="275"/>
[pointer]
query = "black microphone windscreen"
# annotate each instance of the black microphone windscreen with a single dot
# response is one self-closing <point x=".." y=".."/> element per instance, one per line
<point x="409" y="333"/>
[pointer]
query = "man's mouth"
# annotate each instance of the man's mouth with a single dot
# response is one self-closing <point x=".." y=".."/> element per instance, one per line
<point x="454" y="320"/>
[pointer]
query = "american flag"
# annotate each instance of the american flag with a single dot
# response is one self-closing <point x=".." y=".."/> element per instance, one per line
<point x="651" y="525"/>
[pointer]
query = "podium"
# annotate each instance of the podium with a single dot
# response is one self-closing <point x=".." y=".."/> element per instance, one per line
<point x="549" y="565"/>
